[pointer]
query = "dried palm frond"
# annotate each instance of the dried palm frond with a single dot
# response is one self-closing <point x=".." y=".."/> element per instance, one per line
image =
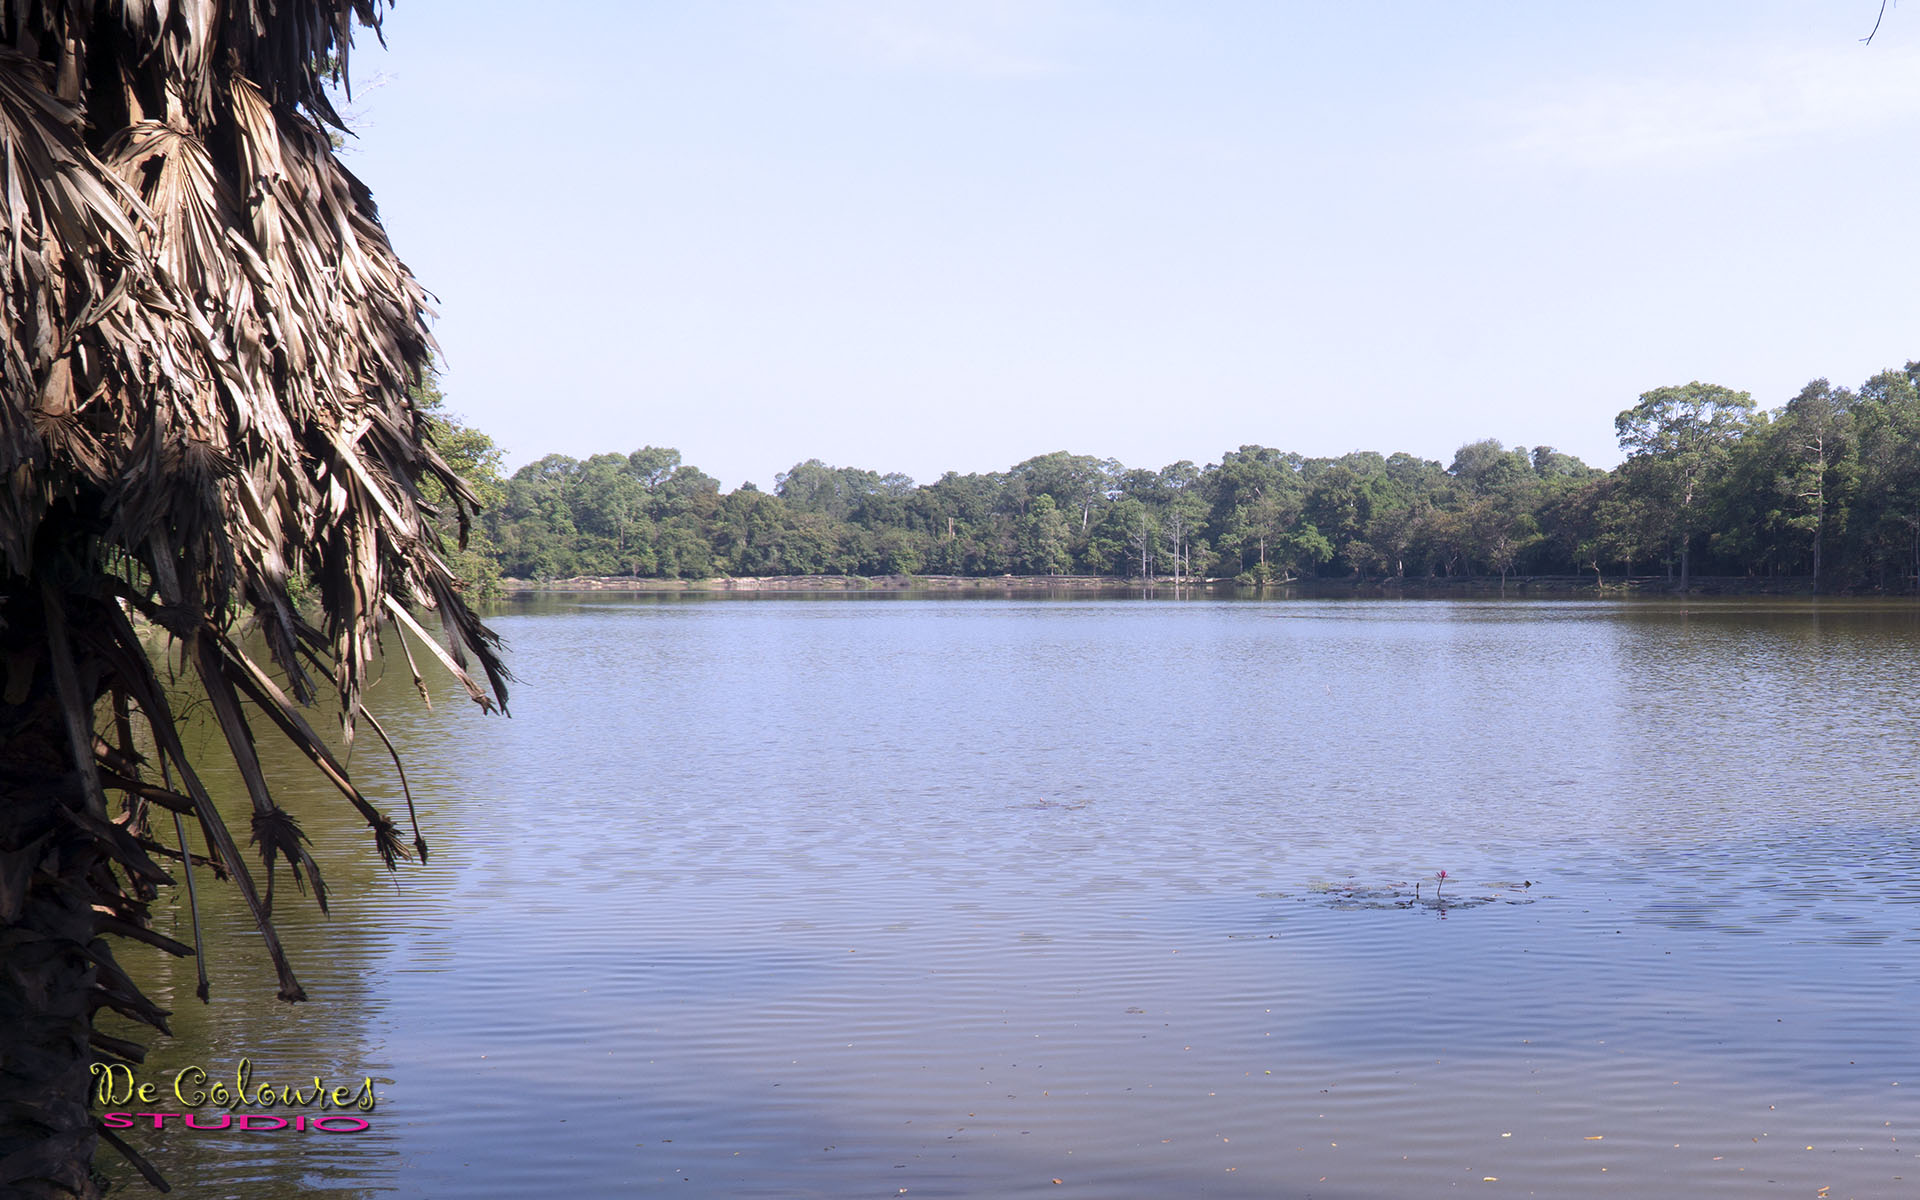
<point x="206" y="351"/>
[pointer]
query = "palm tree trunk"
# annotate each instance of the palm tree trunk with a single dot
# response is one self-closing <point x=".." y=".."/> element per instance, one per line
<point x="47" y="931"/>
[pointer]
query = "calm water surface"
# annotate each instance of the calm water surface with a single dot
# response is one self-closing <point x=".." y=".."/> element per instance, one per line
<point x="938" y="897"/>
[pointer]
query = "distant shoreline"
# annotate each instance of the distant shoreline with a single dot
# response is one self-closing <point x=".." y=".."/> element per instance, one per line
<point x="1562" y="585"/>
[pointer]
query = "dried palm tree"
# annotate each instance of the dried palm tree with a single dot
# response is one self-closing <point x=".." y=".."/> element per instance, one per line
<point x="205" y="355"/>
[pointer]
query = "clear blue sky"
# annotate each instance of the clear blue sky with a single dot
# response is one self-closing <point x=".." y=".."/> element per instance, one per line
<point x="919" y="236"/>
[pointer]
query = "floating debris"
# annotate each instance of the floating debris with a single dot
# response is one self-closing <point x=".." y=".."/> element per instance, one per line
<point x="1352" y="894"/>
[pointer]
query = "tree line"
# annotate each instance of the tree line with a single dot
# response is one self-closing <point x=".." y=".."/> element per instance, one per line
<point x="1824" y="488"/>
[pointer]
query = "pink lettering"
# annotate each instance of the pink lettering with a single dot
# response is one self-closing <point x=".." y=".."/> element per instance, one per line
<point x="338" y="1124"/>
<point x="246" y="1122"/>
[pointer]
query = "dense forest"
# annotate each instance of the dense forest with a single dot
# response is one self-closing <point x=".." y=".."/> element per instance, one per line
<point x="1826" y="488"/>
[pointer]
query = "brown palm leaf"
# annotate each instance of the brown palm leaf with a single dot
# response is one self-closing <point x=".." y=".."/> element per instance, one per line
<point x="206" y="350"/>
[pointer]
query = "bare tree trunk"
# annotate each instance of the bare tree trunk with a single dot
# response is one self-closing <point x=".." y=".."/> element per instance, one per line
<point x="1819" y="528"/>
<point x="1819" y="448"/>
<point x="1176" y="532"/>
<point x="1686" y="541"/>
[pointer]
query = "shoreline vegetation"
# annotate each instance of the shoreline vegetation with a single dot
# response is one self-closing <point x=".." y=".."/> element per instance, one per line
<point x="1819" y="496"/>
<point x="1464" y="585"/>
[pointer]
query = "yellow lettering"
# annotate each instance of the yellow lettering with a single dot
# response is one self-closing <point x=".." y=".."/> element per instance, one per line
<point x="116" y="1082"/>
<point x="190" y="1074"/>
<point x="366" y="1101"/>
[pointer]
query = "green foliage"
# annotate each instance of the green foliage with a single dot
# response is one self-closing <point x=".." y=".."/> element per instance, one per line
<point x="473" y="456"/>
<point x="1043" y="539"/>
<point x="1828" y="486"/>
<point x="1682" y="438"/>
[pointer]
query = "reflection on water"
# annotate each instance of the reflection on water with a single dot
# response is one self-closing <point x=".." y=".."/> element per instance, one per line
<point x="772" y="896"/>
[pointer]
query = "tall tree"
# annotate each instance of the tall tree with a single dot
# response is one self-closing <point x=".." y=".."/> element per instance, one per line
<point x="1816" y="429"/>
<point x="1887" y="512"/>
<point x="1338" y="504"/>
<point x="1043" y="538"/>
<point x="206" y="357"/>
<point x="1681" y="436"/>
<point x="1142" y="532"/>
<point x="1256" y="499"/>
<point x="1079" y="483"/>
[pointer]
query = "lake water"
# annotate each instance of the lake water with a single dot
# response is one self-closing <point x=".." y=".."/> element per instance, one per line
<point x="888" y="896"/>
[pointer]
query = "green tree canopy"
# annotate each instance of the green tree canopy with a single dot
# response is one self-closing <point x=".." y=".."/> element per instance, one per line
<point x="1681" y="437"/>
